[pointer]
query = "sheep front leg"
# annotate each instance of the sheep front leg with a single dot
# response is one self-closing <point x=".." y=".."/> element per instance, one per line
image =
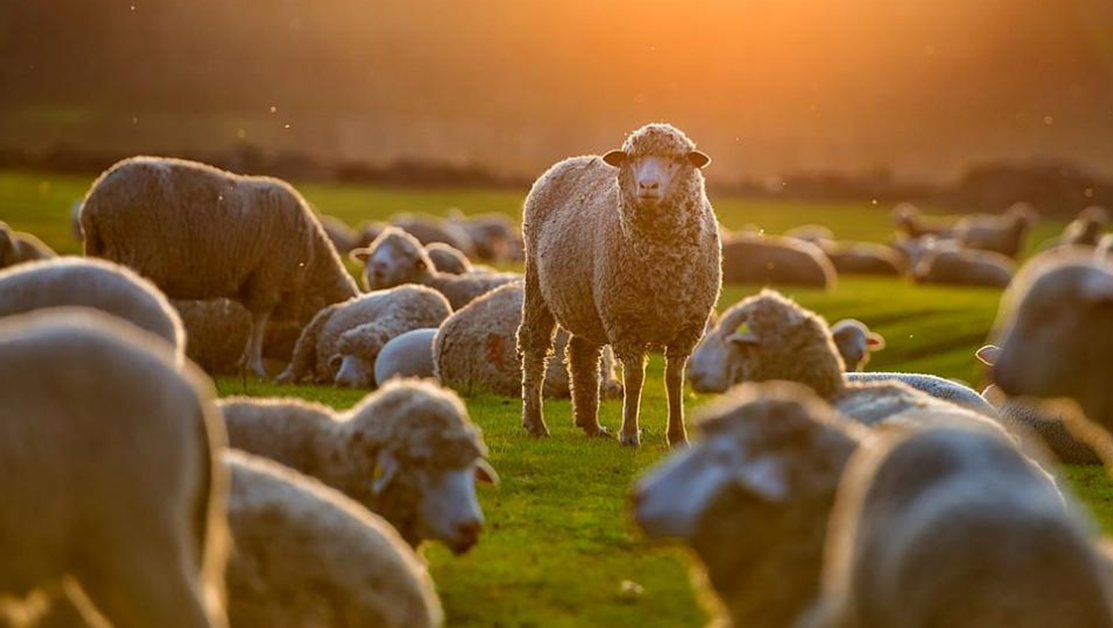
<point x="633" y="371"/>
<point x="535" y="345"/>
<point x="253" y="354"/>
<point x="583" y="366"/>
<point x="675" y="361"/>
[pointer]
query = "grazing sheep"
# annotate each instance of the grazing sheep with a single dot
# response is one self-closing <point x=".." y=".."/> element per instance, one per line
<point x="218" y="329"/>
<point x="430" y="229"/>
<point x="1050" y="428"/>
<point x="341" y="343"/>
<point x="623" y="250"/>
<point x="306" y="555"/>
<point x="202" y="233"/>
<point x="18" y="247"/>
<point x="777" y="260"/>
<point x="965" y="267"/>
<point x="407" y="452"/>
<point x="475" y="350"/>
<point x="492" y="234"/>
<point x="1006" y="234"/>
<point x="343" y="237"/>
<point x="447" y="259"/>
<point x="952" y="526"/>
<point x="856" y="342"/>
<point x="909" y="220"/>
<point x="109" y="474"/>
<point x="396" y="258"/>
<point x="405" y="356"/>
<point x="96" y="284"/>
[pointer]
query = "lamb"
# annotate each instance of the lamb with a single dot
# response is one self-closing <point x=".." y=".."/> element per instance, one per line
<point x="761" y="259"/>
<point x="475" y="350"/>
<point x="396" y="258"/>
<point x="407" y="452"/>
<point x="341" y="343"/>
<point x="448" y="260"/>
<point x="109" y="474"/>
<point x="492" y="234"/>
<point x="218" y="329"/>
<point x="202" y="233"/>
<point x="407" y="355"/>
<point x="623" y="250"/>
<point x="856" y="342"/>
<point x="909" y="221"/>
<point x="952" y="526"/>
<point x="1006" y="234"/>
<point x="430" y="229"/>
<point x="960" y="266"/>
<point x="18" y="247"/>
<point x="76" y="282"/>
<point x="306" y="555"/>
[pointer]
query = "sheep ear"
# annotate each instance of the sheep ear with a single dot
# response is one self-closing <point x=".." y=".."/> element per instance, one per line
<point x="485" y="473"/>
<point x="988" y="354"/>
<point x="386" y="467"/>
<point x="875" y="341"/>
<point x="360" y="255"/>
<point x="745" y="338"/>
<point x="615" y="158"/>
<point x="1098" y="288"/>
<point x="698" y="159"/>
<point x="765" y="477"/>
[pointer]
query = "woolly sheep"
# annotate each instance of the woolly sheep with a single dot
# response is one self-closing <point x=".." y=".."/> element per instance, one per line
<point x="1006" y="234"/>
<point x="492" y="234"/>
<point x="407" y="452"/>
<point x="778" y="260"/>
<point x="202" y="233"/>
<point x="952" y="526"/>
<point x="623" y="250"/>
<point x="18" y="247"/>
<point x="406" y="355"/>
<point x="909" y="220"/>
<point x="306" y="555"/>
<point x="447" y="259"/>
<point x="475" y="350"/>
<point x="1050" y="428"/>
<point x="856" y="342"/>
<point x="430" y="229"/>
<point x="341" y="343"/>
<point x="967" y="267"/>
<point x="100" y="285"/>
<point x="396" y="258"/>
<point x="218" y="329"/>
<point x="109" y="472"/>
<point x="853" y="258"/>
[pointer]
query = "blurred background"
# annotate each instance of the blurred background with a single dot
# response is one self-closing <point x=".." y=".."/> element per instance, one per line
<point x="854" y="98"/>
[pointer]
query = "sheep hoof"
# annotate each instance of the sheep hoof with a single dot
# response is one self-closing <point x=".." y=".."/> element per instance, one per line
<point x="597" y="430"/>
<point x="632" y="439"/>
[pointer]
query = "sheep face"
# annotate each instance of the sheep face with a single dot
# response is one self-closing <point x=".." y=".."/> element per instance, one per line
<point x="716" y="362"/>
<point x="393" y="259"/>
<point x="650" y="179"/>
<point x="353" y="371"/>
<point x="855" y="342"/>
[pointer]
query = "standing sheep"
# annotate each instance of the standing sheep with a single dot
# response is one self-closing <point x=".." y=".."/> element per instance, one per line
<point x="201" y="233"/>
<point x="408" y="452"/>
<point x="17" y="247"/>
<point x="396" y="258"/>
<point x="856" y="342"/>
<point x="343" y="340"/>
<point x="108" y="474"/>
<point x="909" y="221"/>
<point x="623" y="250"/>
<point x="72" y="281"/>
<point x="777" y="260"/>
<point x="1006" y="234"/>
<point x="306" y="555"/>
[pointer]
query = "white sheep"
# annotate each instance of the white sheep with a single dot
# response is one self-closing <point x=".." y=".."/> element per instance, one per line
<point x="763" y="259"/>
<point x="306" y="555"/>
<point x="341" y="343"/>
<point x="407" y="452"/>
<point x="909" y="221"/>
<point x="109" y="477"/>
<point x="405" y="356"/>
<point x="202" y="233"/>
<point x="1086" y="229"/>
<point x="104" y="286"/>
<point x="474" y="350"/>
<point x="1006" y="234"/>
<point x="848" y="257"/>
<point x="447" y="259"/>
<point x="493" y="235"/>
<point x="17" y="247"/>
<point x="432" y="229"/>
<point x="947" y="264"/>
<point x="623" y="250"/>
<point x="855" y="342"/>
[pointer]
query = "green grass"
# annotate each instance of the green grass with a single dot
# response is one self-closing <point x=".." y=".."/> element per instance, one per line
<point x="560" y="543"/>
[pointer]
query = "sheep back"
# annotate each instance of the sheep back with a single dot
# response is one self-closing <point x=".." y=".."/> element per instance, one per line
<point x="759" y="259"/>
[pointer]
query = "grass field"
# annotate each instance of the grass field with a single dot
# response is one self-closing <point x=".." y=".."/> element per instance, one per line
<point x="559" y="543"/>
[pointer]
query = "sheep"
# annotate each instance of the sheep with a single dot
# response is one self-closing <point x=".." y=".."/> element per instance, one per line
<point x="952" y="526"/>
<point x="1051" y="429"/>
<point x="623" y="250"/>
<point x="110" y="477"/>
<point x="407" y="452"/>
<point x="368" y="230"/>
<point x="306" y="555"/>
<point x="912" y="250"/>
<point x="396" y="258"/>
<point x="909" y="221"/>
<point x="810" y="233"/>
<point x="492" y="234"/>
<point x="104" y="286"/>
<point x="447" y="259"/>
<point x="856" y="342"/>
<point x="17" y="247"/>
<point x="430" y="229"/>
<point x="1086" y="229"/>
<point x="863" y="258"/>
<point x="218" y="329"/>
<point x="343" y="237"/>
<point x="341" y="343"/>
<point x="474" y="349"/>
<point x="202" y="233"/>
<point x="406" y="355"/>
<point x="778" y="260"/>
<point x="967" y="267"/>
<point x="1006" y="234"/>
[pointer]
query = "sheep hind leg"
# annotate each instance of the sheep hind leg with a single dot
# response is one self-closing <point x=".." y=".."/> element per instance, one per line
<point x="535" y="345"/>
<point x="674" y="388"/>
<point x="253" y="353"/>
<point x="633" y="373"/>
<point x="583" y="366"/>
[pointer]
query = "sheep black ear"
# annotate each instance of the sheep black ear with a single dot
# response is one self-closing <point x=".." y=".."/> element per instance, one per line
<point x="360" y="255"/>
<point x="988" y="354"/>
<point x="615" y="158"/>
<point x="698" y="159"/>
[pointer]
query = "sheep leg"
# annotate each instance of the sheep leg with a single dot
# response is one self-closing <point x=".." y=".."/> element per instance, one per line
<point x="253" y="354"/>
<point x="583" y="366"/>
<point x="633" y="372"/>
<point x="535" y="345"/>
<point x="675" y="362"/>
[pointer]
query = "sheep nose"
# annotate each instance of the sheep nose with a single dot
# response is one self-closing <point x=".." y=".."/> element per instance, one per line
<point x="649" y="185"/>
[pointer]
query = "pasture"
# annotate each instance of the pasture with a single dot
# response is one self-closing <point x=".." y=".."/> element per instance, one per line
<point x="560" y="549"/>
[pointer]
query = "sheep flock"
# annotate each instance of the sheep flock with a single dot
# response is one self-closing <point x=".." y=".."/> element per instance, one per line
<point x="814" y="492"/>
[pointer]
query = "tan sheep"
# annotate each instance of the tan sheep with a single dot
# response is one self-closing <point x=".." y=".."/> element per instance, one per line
<point x="1006" y="234"/>
<point x="493" y="235"/>
<point x="856" y="342"/>
<point x="432" y="229"/>
<point x="447" y="259"/>
<point x="777" y="260"/>
<point x="910" y="222"/>
<point x="944" y="264"/>
<point x="17" y="247"/>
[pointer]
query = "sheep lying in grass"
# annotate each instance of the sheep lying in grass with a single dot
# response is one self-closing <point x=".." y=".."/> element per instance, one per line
<point x="856" y="342"/>
<point x="623" y="250"/>
<point x="405" y="356"/>
<point x="863" y="258"/>
<point x="109" y="477"/>
<point x="17" y="247"/>
<point x="72" y="281"/>
<point x="341" y="343"/>
<point x="396" y="258"/>
<point x="777" y="260"/>
<point x="431" y="229"/>
<point x="447" y="259"/>
<point x="493" y="235"/>
<point x="952" y="526"/>
<point x="1006" y="234"/>
<point x="475" y="350"/>
<point x="407" y="452"/>
<point x="201" y="233"/>
<point x="909" y="220"/>
<point x="306" y="555"/>
<point x="947" y="264"/>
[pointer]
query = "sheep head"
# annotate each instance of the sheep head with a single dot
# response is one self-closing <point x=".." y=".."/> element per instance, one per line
<point x="656" y="164"/>
<point x="393" y="258"/>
